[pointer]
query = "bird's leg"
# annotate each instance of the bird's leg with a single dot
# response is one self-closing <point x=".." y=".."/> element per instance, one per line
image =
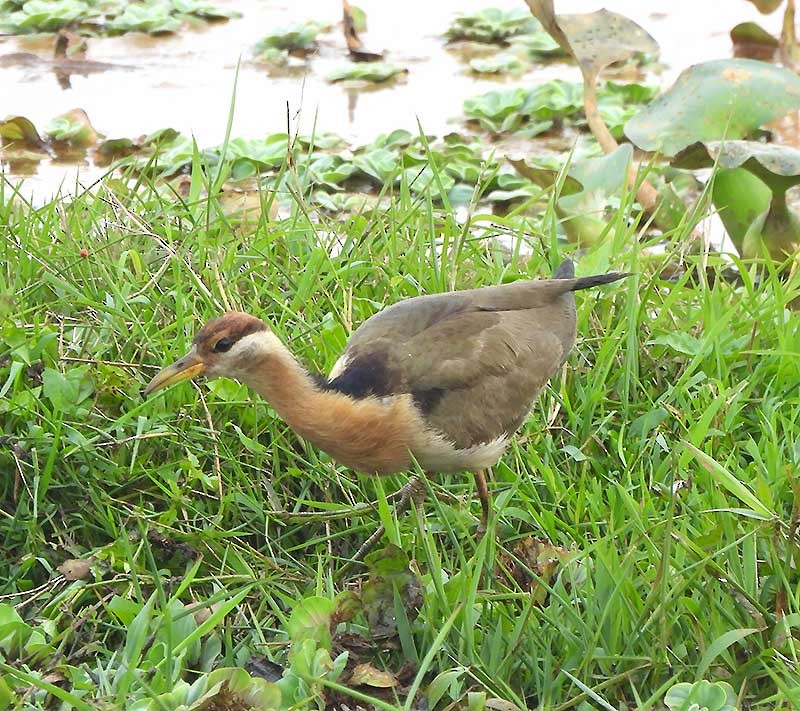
<point x="411" y="490"/>
<point x="486" y="503"/>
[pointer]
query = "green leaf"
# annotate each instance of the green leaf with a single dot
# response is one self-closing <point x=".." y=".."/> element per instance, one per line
<point x="250" y="444"/>
<point x="20" y="131"/>
<point x="492" y="25"/>
<point x="202" y="9"/>
<point x="741" y="199"/>
<point x="380" y="164"/>
<point x="73" y="127"/>
<point x="493" y="107"/>
<point x="390" y="580"/>
<point x="727" y="98"/>
<point x="574" y="453"/>
<point x="216" y="617"/>
<point x="137" y="634"/>
<point x="50" y="15"/>
<point x="751" y="40"/>
<point x="300" y="36"/>
<point x="777" y="165"/>
<point x="67" y="391"/>
<point x="250" y="692"/>
<point x="536" y="44"/>
<point x="681" y="343"/>
<point x="590" y="187"/>
<point x="499" y="64"/>
<point x="756" y="222"/>
<point x="546" y="177"/>
<point x="765" y="7"/>
<point x="601" y="178"/>
<point x="153" y="18"/>
<point x="730" y="482"/>
<point x="534" y="110"/>
<point x="708" y="695"/>
<point x="424" y="180"/>
<point x="677" y="698"/>
<point x="445" y="682"/>
<point x="359" y="18"/>
<point x="7" y="697"/>
<point x="311" y="619"/>
<point x="124" y="609"/>
<point x="376" y="72"/>
<point x="717" y="647"/>
<point x="644" y="424"/>
<point x="327" y="169"/>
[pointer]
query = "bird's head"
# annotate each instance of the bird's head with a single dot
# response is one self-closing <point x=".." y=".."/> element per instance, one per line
<point x="229" y="345"/>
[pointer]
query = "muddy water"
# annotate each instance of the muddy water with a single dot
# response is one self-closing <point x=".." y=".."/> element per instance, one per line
<point x="136" y="84"/>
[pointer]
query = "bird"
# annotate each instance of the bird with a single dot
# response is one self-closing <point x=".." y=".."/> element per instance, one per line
<point x="441" y="380"/>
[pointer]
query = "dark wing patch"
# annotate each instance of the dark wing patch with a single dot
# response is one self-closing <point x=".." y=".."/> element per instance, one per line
<point x="367" y="374"/>
<point x="427" y="400"/>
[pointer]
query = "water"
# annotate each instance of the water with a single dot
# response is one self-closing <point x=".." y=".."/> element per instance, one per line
<point x="185" y="81"/>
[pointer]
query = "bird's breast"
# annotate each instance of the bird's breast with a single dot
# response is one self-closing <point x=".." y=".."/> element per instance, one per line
<point x="386" y="435"/>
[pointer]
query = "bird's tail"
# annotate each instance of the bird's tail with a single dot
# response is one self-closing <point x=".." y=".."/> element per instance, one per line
<point x="566" y="270"/>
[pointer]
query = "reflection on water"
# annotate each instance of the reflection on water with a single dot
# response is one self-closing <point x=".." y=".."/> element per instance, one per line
<point x="136" y="84"/>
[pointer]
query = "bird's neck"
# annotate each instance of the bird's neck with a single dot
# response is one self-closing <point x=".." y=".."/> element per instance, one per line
<point x="286" y="384"/>
<point x="365" y="434"/>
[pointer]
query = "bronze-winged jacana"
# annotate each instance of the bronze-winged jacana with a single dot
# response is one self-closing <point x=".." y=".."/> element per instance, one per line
<point x="444" y="378"/>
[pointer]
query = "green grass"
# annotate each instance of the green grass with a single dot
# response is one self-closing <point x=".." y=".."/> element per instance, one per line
<point x="663" y="461"/>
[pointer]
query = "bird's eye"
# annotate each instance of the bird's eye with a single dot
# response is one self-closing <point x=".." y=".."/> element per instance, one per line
<point x="223" y="345"/>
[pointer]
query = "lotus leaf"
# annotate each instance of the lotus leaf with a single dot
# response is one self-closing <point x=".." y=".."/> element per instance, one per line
<point x="755" y="220"/>
<point x="726" y="98"/>
<point x="776" y="165"/>
<point x="595" y="39"/>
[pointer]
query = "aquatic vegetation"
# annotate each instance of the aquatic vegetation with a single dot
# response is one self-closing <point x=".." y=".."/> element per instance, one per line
<point x="374" y="72"/>
<point x="534" y="111"/>
<point x="301" y="36"/>
<point x="749" y="191"/>
<point x="492" y="25"/>
<point x="104" y="17"/>
<point x="499" y="64"/>
<point x="524" y="38"/>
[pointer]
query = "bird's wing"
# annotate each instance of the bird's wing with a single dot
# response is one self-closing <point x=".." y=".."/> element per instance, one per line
<point x="475" y="376"/>
<point x="408" y="318"/>
<point x="461" y="350"/>
<point x="455" y="351"/>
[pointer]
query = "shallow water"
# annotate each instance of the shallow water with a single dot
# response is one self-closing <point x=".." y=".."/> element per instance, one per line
<point x="185" y="81"/>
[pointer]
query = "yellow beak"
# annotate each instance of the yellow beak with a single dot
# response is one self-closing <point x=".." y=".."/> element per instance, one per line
<point x="190" y="366"/>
